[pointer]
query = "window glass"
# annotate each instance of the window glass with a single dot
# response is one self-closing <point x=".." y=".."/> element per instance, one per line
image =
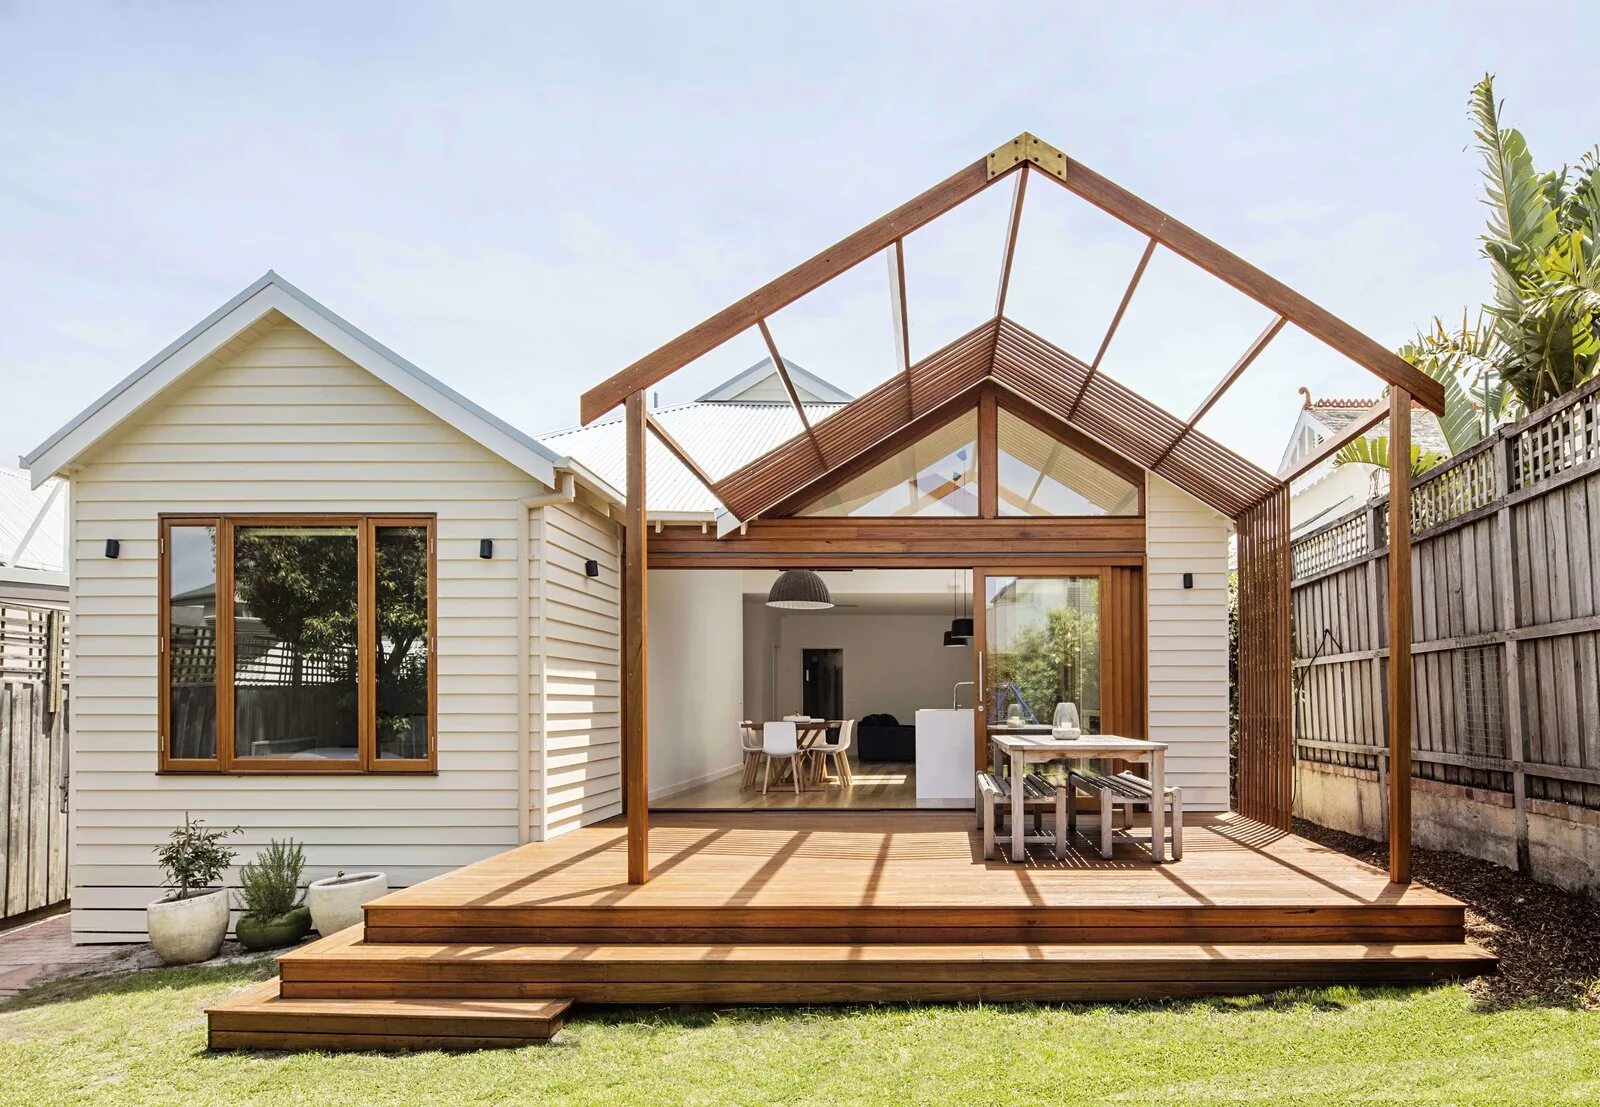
<point x="192" y="642"/>
<point x="1043" y="649"/>
<point x="1041" y="475"/>
<point x="294" y="650"/>
<point x="401" y="651"/>
<point x="935" y="476"/>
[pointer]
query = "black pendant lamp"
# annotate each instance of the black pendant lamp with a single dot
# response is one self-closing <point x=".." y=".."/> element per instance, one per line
<point x="799" y="590"/>
<point x="961" y="625"/>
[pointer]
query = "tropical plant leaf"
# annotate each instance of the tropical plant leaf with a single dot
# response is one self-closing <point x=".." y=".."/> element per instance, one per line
<point x="1522" y="202"/>
<point x="1375" y="451"/>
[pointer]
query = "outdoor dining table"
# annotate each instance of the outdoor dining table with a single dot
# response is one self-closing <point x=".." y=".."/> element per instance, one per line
<point x="1019" y="749"/>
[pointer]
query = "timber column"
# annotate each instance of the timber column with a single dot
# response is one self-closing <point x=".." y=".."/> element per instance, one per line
<point x="635" y="579"/>
<point x="1399" y="635"/>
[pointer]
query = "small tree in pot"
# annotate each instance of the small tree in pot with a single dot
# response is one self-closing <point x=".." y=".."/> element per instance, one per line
<point x="269" y="893"/>
<point x="189" y="925"/>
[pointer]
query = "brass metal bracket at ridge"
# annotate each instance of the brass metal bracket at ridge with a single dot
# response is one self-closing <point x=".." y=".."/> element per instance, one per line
<point x="1029" y="148"/>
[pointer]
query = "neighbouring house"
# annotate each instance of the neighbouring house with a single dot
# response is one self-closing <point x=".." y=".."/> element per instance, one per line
<point x="1327" y="491"/>
<point x="33" y="541"/>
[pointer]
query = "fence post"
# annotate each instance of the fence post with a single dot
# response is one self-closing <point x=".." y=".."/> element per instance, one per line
<point x="1375" y="621"/>
<point x="1511" y="666"/>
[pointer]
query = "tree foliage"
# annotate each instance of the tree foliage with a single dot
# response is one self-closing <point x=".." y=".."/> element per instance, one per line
<point x="1058" y="660"/>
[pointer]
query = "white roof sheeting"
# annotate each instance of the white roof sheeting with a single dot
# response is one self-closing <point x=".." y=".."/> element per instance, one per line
<point x="721" y="437"/>
<point x="33" y="522"/>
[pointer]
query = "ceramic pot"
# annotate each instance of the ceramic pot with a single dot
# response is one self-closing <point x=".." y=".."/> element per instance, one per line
<point x="284" y="930"/>
<point x="187" y="930"/>
<point x="336" y="902"/>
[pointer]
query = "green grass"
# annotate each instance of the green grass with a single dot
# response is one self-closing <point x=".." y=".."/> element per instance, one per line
<point x="140" y="1038"/>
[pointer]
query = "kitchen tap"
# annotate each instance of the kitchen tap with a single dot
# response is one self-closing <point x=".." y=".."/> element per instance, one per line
<point x="955" y="693"/>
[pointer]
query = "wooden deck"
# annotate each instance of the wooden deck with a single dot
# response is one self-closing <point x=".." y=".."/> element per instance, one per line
<point x="817" y="907"/>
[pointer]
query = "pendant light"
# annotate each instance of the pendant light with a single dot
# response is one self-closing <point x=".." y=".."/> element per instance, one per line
<point x="953" y="637"/>
<point x="961" y="626"/>
<point x="799" y="590"/>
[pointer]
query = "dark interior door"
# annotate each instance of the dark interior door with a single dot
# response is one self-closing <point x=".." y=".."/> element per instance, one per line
<point x="823" y="697"/>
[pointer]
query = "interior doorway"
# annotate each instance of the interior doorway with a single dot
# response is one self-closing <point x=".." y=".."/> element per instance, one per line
<point x="822" y="676"/>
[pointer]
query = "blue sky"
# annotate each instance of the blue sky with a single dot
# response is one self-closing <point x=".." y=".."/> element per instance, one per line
<point x="523" y="200"/>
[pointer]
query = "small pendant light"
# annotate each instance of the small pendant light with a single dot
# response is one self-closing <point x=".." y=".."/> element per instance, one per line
<point x="799" y="590"/>
<point x="961" y="625"/>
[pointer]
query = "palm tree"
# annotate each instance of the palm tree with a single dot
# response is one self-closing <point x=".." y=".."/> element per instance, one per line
<point x="1540" y="336"/>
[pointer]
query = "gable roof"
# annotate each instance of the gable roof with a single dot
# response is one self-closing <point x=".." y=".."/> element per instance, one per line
<point x="33" y="523"/>
<point x="812" y="388"/>
<point x="271" y="293"/>
<point x="1327" y="417"/>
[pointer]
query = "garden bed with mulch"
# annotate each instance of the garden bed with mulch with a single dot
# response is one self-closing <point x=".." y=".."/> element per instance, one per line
<point x="1548" y="941"/>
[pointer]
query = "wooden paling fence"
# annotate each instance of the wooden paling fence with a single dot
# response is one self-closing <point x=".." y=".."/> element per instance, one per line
<point x="34" y="752"/>
<point x="1506" y="599"/>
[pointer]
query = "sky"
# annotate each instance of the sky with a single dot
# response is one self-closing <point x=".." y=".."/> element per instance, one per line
<point x="523" y="199"/>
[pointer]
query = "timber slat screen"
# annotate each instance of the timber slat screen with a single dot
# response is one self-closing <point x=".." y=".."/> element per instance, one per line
<point x="1265" y="753"/>
<point x="1506" y="642"/>
<point x="33" y="759"/>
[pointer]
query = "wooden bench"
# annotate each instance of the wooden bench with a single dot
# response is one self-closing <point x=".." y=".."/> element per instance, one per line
<point x="1127" y="791"/>
<point x="993" y="796"/>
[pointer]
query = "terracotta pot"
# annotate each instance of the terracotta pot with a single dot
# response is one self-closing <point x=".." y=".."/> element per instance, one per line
<point x="336" y="902"/>
<point x="284" y="930"/>
<point x="184" y="931"/>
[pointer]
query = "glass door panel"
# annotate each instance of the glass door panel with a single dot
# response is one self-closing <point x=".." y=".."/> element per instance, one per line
<point x="1041" y="648"/>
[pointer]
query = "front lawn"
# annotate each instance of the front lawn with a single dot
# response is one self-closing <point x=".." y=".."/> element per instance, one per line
<point x="140" y="1038"/>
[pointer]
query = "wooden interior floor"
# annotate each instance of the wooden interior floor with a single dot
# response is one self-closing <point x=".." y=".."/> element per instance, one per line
<point x="876" y="786"/>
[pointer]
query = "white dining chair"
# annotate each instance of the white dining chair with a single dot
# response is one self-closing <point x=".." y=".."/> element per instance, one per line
<point x="839" y="751"/>
<point x="750" y="748"/>
<point x="779" y="740"/>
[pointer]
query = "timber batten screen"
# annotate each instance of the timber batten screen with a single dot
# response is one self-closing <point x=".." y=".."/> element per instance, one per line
<point x="1266" y="730"/>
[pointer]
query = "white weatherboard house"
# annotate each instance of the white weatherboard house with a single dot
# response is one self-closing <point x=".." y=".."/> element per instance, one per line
<point x="420" y="664"/>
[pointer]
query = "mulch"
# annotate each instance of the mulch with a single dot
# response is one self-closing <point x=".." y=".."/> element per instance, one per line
<point x="1548" y="940"/>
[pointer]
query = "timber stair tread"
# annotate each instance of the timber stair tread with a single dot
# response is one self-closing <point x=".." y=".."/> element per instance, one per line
<point x="346" y="965"/>
<point x="261" y="1017"/>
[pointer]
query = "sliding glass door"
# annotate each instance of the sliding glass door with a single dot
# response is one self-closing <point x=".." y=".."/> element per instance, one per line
<point x="1038" y="639"/>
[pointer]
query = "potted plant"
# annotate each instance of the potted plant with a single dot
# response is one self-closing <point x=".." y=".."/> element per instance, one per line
<point x="336" y="901"/>
<point x="269" y="895"/>
<point x="189" y="925"/>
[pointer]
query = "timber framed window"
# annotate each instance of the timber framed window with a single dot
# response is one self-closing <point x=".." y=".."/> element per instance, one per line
<point x="322" y="662"/>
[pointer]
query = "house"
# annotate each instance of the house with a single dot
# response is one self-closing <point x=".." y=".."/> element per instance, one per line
<point x="455" y="651"/>
<point x="1326" y="491"/>
<point x="33" y="546"/>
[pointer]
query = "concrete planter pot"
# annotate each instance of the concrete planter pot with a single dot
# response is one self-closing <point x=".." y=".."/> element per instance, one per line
<point x="336" y="902"/>
<point x="184" y="931"/>
<point x="285" y="930"/>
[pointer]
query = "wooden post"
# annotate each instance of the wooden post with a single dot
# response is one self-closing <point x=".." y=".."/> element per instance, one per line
<point x="635" y="577"/>
<point x="1399" y="635"/>
<point x="988" y="456"/>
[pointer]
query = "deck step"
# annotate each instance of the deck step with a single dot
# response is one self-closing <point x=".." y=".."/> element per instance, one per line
<point x="260" y="1017"/>
<point x="346" y="967"/>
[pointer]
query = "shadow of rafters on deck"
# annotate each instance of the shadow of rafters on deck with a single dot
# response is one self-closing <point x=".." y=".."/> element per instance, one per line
<point x="814" y="865"/>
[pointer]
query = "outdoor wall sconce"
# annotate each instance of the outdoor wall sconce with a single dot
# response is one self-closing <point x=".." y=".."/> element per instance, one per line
<point x="113" y="548"/>
<point x="1188" y="580"/>
<point x="486" y="548"/>
<point x="591" y="568"/>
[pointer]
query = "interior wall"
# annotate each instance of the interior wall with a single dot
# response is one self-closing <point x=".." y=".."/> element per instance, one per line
<point x="696" y="676"/>
<point x="892" y="663"/>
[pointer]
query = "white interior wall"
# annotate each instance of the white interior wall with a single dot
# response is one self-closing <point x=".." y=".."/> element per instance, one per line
<point x="892" y="663"/>
<point x="696" y="673"/>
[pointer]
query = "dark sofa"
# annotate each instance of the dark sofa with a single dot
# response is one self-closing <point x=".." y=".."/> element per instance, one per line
<point x="883" y="738"/>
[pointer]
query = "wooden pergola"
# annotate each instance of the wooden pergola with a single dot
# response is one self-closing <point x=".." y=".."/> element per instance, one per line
<point x="1001" y="362"/>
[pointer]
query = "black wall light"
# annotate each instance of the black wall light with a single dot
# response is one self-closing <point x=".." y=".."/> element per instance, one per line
<point x="1188" y="580"/>
<point x="486" y="548"/>
<point x="591" y="568"/>
<point x="113" y="548"/>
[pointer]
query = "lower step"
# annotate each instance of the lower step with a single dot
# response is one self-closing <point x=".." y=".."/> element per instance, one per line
<point x="344" y="967"/>
<point x="261" y="1018"/>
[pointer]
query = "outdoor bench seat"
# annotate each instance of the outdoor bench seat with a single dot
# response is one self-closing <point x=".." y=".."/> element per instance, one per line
<point x="993" y="796"/>
<point x="1127" y="791"/>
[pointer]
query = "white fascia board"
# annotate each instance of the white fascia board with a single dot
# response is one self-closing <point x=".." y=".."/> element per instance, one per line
<point x="273" y="293"/>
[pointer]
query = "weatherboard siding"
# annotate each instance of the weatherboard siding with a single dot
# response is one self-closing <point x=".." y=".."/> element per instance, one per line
<point x="1188" y="655"/>
<point x="280" y="422"/>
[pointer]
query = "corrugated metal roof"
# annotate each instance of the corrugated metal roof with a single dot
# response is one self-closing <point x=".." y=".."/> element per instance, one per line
<point x="721" y="437"/>
<point x="20" y="507"/>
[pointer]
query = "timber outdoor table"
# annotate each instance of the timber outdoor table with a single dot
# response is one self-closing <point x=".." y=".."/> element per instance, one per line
<point x="1020" y="749"/>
